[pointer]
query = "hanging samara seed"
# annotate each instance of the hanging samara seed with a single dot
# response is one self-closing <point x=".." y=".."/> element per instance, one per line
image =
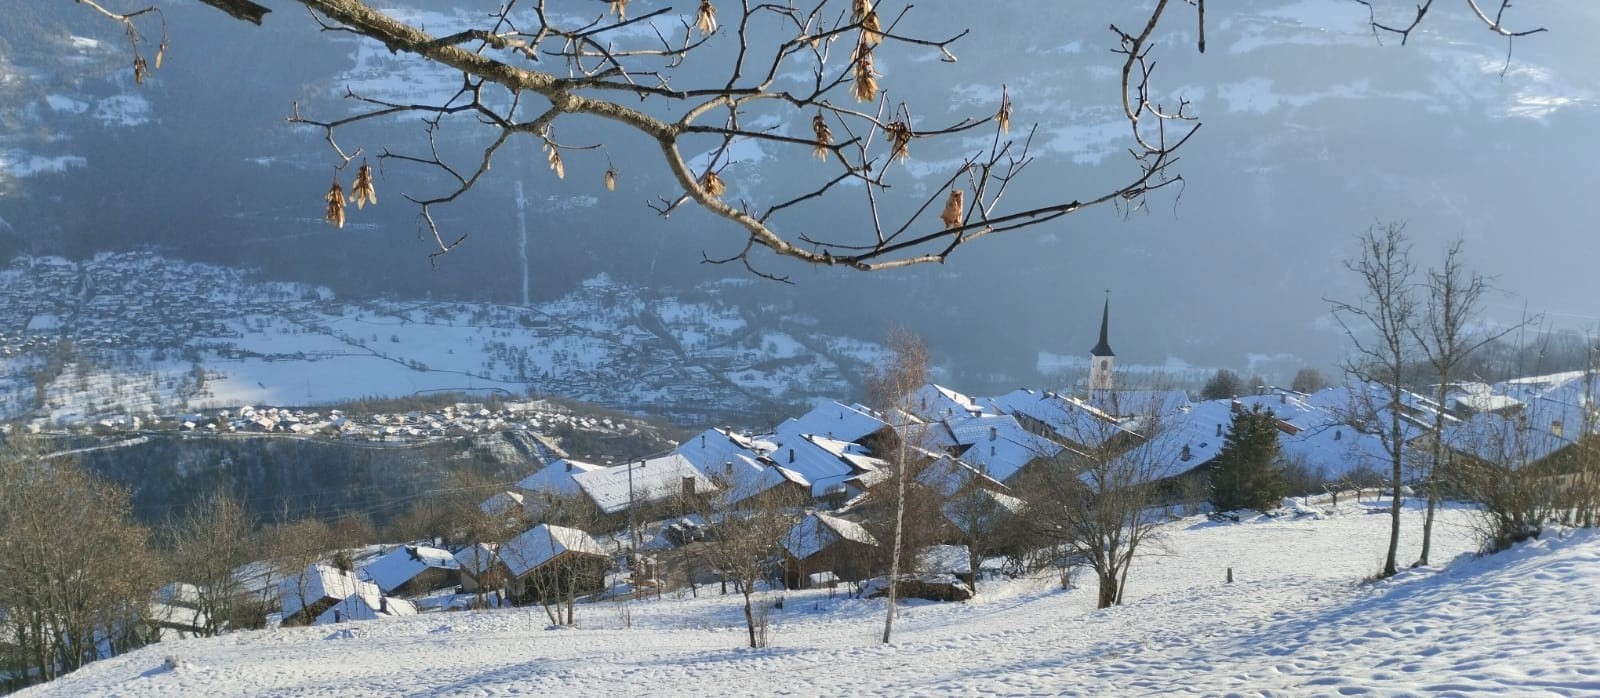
<point x="335" y="198"/>
<point x="361" y="191"/>
<point x="952" y="209"/>
<point x="706" y="17"/>
<point x="824" y="136"/>
<point x="713" y="184"/>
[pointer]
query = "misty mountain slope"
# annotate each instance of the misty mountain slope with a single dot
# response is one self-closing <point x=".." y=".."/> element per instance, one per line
<point x="140" y="334"/>
<point x="1313" y="130"/>
<point x="1522" y="622"/>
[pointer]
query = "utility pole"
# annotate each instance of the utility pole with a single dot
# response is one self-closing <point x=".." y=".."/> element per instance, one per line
<point x="633" y="529"/>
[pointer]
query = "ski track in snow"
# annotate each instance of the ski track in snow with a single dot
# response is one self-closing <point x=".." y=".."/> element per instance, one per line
<point x="1296" y="622"/>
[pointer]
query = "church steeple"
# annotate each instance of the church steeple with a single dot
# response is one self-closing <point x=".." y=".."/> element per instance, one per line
<point x="1102" y="361"/>
<point x="1104" y="347"/>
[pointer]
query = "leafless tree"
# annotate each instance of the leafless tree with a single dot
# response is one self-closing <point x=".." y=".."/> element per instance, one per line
<point x="76" y="573"/>
<point x="1379" y="327"/>
<point x="213" y="539"/>
<point x="294" y="545"/>
<point x="745" y="544"/>
<point x="904" y="370"/>
<point x="1097" y="504"/>
<point x="1446" y="334"/>
<point x="1496" y="471"/>
<point x="986" y="519"/>
<point x="1308" y="380"/>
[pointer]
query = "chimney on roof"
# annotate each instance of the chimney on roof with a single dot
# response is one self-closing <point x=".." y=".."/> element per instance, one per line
<point x="1219" y="430"/>
<point x="569" y="466"/>
<point x="791" y="455"/>
<point x="994" y="433"/>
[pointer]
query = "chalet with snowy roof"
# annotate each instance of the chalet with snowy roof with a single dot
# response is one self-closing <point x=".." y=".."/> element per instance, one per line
<point x="745" y="481"/>
<point x="979" y="511"/>
<point x="548" y="562"/>
<point x="359" y="607"/>
<point x="1310" y="434"/>
<point x="831" y="466"/>
<point x="832" y="420"/>
<point x="994" y="443"/>
<point x="933" y="402"/>
<point x="826" y="543"/>
<point x="712" y="448"/>
<point x="325" y="594"/>
<point x="650" y="483"/>
<point x="1552" y="438"/>
<point x="552" y="483"/>
<point x="1066" y="420"/>
<point x="168" y="621"/>
<point x="480" y="567"/>
<point x="413" y="570"/>
<point x="503" y="505"/>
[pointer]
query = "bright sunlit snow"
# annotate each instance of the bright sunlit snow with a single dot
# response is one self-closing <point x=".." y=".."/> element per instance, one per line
<point x="1296" y="621"/>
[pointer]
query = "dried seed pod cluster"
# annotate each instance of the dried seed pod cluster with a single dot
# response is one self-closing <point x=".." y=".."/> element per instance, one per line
<point x="713" y="184"/>
<point x="819" y="125"/>
<point x="706" y="17"/>
<point x="899" y="140"/>
<point x="335" y="199"/>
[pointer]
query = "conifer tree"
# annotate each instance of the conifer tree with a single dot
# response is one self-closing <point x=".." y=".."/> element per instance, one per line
<point x="1248" y="472"/>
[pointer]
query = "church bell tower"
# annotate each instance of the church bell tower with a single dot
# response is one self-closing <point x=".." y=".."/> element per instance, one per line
<point x="1102" y="362"/>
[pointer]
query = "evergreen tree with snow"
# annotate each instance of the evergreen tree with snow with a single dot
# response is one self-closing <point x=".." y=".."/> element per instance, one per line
<point x="1248" y="472"/>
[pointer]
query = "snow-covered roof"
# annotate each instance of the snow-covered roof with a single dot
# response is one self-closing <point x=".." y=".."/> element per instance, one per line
<point x="404" y="563"/>
<point x="944" y="559"/>
<point x="179" y="593"/>
<point x="1129" y="402"/>
<point x="501" y="504"/>
<point x="816" y="461"/>
<point x="981" y="509"/>
<point x="712" y="448"/>
<point x="1068" y="418"/>
<point x="1541" y="428"/>
<point x="177" y="617"/>
<point x="556" y="477"/>
<point x="996" y="444"/>
<point x="933" y="402"/>
<point x="318" y="582"/>
<point x="616" y="488"/>
<point x="1311" y="433"/>
<point x="833" y="420"/>
<point x="357" y="607"/>
<point x="745" y="477"/>
<point x="818" y="531"/>
<point x="476" y="558"/>
<point x="947" y="476"/>
<point x="543" y="543"/>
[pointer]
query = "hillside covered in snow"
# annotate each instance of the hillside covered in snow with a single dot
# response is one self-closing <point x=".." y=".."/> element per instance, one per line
<point x="1297" y="620"/>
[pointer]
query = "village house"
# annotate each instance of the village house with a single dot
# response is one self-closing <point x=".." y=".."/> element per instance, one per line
<point x="413" y="570"/>
<point x="322" y="594"/>
<point x="823" y="543"/>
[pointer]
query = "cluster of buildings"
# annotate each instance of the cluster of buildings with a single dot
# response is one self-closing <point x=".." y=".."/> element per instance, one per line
<point x="971" y="455"/>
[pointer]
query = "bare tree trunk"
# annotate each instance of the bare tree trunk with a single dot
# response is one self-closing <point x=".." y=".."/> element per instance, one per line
<point x="899" y="539"/>
<point x="1390" y="565"/>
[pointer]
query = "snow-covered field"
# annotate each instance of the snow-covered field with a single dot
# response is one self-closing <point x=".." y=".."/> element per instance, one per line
<point x="1296" y="621"/>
